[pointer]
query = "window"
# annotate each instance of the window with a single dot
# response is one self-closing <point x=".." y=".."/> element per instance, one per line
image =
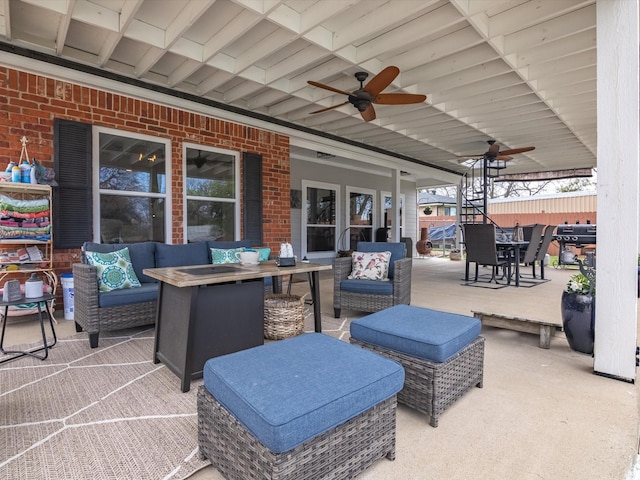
<point x="319" y="221"/>
<point x="360" y="203"/>
<point x="387" y="211"/>
<point x="212" y="189"/>
<point x="131" y="185"/>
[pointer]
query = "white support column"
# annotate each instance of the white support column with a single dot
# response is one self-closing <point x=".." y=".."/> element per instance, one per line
<point x="459" y="238"/>
<point x="618" y="181"/>
<point x="395" y="216"/>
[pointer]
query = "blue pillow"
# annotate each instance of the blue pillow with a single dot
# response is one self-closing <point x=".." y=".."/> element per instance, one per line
<point x="263" y="253"/>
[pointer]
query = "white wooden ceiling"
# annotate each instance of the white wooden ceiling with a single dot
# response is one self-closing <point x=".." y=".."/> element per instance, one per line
<point x="522" y="72"/>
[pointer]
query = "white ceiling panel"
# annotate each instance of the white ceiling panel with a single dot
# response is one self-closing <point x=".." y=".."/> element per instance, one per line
<point x="521" y="72"/>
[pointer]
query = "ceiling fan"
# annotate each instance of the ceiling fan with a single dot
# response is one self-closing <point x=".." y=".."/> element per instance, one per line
<point x="364" y="97"/>
<point x="494" y="153"/>
<point x="199" y="160"/>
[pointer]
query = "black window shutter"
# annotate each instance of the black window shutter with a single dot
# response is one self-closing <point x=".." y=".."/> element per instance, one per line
<point x="72" y="214"/>
<point x="252" y="201"/>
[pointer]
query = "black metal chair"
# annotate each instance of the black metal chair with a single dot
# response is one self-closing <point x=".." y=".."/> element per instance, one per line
<point x="542" y="251"/>
<point x="535" y="254"/>
<point x="480" y="245"/>
<point x="528" y="257"/>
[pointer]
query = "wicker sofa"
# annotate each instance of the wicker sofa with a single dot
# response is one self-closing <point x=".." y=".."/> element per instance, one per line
<point x="96" y="311"/>
<point x="373" y="295"/>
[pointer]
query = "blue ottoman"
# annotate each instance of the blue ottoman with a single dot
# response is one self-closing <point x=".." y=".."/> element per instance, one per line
<point x="442" y="353"/>
<point x="307" y="407"/>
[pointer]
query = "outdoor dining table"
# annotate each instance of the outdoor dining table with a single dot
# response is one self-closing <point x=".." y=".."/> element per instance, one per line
<point x="508" y="247"/>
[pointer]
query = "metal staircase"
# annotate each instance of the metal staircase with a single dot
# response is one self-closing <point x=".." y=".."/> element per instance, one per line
<point x="474" y="190"/>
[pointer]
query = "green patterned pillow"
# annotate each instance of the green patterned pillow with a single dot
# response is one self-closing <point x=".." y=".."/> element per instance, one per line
<point x="220" y="256"/>
<point x="115" y="270"/>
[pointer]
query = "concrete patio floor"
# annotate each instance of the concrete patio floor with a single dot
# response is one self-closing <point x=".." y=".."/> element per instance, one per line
<point x="542" y="414"/>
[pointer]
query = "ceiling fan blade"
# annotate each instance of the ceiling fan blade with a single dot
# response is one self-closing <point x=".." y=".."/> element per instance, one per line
<point x="329" y="108"/>
<point x="382" y="80"/>
<point x="504" y="158"/>
<point x="514" y="151"/>
<point x="369" y="114"/>
<point x="327" y="87"/>
<point x="398" y="98"/>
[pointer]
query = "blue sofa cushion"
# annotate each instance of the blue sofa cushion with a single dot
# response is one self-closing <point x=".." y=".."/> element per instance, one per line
<point x="181" y="254"/>
<point x="290" y="391"/>
<point x="142" y="255"/>
<point x="398" y="250"/>
<point x="371" y="287"/>
<point x="419" y="332"/>
<point x="147" y="292"/>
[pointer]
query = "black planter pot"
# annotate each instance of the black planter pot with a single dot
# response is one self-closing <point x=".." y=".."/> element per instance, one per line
<point x="578" y="320"/>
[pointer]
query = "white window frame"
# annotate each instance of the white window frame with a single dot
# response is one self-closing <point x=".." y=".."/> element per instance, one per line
<point x="366" y="191"/>
<point x="166" y="196"/>
<point x="303" y="223"/>
<point x="236" y="193"/>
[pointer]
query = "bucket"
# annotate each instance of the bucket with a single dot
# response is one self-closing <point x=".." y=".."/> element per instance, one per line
<point x="67" y="294"/>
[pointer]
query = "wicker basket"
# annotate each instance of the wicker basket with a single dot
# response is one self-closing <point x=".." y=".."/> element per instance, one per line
<point x="283" y="316"/>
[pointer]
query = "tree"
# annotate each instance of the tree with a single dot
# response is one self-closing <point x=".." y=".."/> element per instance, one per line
<point x="525" y="189"/>
<point x="577" y="185"/>
<point x="517" y="189"/>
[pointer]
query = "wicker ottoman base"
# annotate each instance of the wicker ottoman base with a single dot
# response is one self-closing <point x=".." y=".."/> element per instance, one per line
<point x="342" y="452"/>
<point x="432" y="387"/>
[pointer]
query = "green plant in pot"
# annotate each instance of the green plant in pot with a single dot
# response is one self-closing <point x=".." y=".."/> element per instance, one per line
<point x="578" y="310"/>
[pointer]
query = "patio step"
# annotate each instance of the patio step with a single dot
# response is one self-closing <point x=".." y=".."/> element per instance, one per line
<point x="546" y="330"/>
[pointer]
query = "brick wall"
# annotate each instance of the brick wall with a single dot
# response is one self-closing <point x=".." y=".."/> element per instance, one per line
<point x="29" y="103"/>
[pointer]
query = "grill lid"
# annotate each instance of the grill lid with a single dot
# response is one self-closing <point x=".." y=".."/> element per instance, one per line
<point x="577" y="229"/>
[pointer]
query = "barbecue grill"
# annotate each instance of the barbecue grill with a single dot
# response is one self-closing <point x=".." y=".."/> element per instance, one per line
<point x="577" y="235"/>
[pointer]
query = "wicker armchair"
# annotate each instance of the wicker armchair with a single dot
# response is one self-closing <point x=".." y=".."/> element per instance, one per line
<point x="93" y="318"/>
<point x="373" y="295"/>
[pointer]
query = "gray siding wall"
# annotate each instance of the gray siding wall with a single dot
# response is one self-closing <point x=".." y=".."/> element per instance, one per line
<point x="316" y="172"/>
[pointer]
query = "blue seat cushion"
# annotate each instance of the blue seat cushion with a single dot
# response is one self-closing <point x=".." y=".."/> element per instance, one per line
<point x="371" y="287"/>
<point x="147" y="292"/>
<point x="398" y="251"/>
<point x="419" y="332"/>
<point x="182" y="254"/>
<point x="290" y="391"/>
<point x="142" y="255"/>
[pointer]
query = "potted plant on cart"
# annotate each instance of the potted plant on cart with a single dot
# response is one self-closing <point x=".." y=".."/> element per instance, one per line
<point x="455" y="254"/>
<point x="578" y="310"/>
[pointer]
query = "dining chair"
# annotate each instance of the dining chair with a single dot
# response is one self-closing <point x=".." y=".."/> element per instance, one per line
<point x="535" y="254"/>
<point x="481" y="249"/>
<point x="528" y="257"/>
<point x="542" y="251"/>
